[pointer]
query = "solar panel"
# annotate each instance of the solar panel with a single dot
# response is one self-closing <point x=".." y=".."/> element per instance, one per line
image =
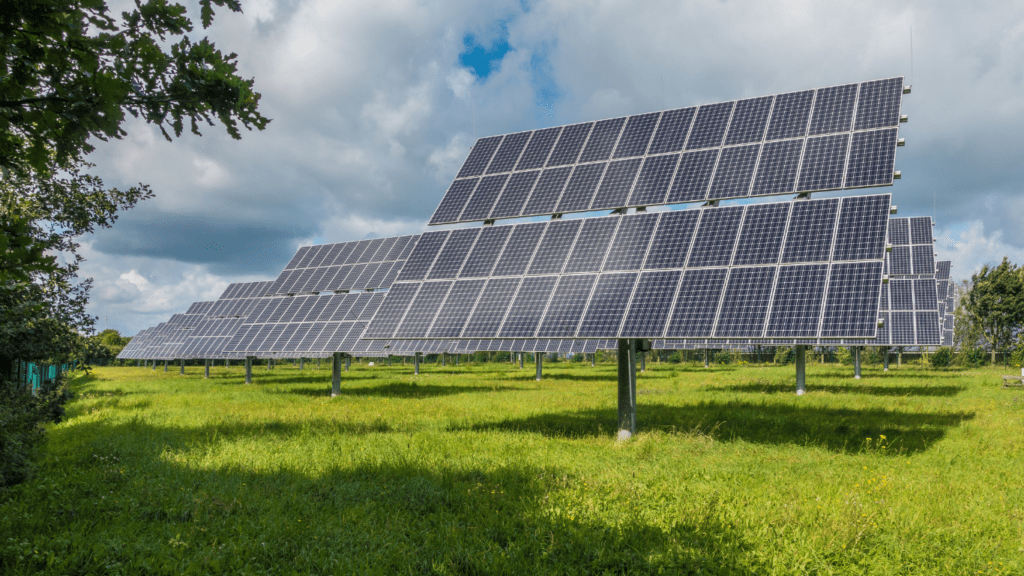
<point x="814" y="140"/>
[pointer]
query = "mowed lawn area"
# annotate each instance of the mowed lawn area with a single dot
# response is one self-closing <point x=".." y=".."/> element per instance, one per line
<point x="479" y="469"/>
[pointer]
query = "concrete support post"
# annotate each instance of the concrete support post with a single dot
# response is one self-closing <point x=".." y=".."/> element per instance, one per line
<point x="227" y="362"/>
<point x="885" y="359"/>
<point x="539" y="357"/>
<point x="520" y="360"/>
<point x="856" y="362"/>
<point x="705" y="358"/>
<point x="389" y="361"/>
<point x="336" y="374"/>
<point x="138" y="363"/>
<point x="248" y="369"/>
<point x="593" y="355"/>
<point x="456" y="359"/>
<point x="627" y="388"/>
<point x="206" y="373"/>
<point x="416" y="363"/>
<point x="801" y="383"/>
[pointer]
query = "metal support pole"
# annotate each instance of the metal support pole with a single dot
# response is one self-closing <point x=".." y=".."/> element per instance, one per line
<point x="206" y="363"/>
<point x="138" y="364"/>
<point x="801" y="384"/>
<point x="856" y="362"/>
<point x="248" y="369"/>
<point x="520" y="360"/>
<point x="416" y="363"/>
<point x="643" y="361"/>
<point x="182" y="372"/>
<point x="165" y="365"/>
<point x="302" y="363"/>
<point x="227" y="362"/>
<point x="885" y="359"/>
<point x="348" y="362"/>
<point x="593" y="355"/>
<point x="627" y="388"/>
<point x="539" y="357"/>
<point x="456" y="359"/>
<point x="335" y="374"/>
<point x="705" y="358"/>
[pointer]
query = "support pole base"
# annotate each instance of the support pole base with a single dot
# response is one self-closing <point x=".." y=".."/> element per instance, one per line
<point x="623" y="436"/>
<point x="800" y="392"/>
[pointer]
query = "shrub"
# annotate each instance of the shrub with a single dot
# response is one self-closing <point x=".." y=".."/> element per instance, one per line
<point x="785" y="355"/>
<point x="941" y="357"/>
<point x="21" y="433"/>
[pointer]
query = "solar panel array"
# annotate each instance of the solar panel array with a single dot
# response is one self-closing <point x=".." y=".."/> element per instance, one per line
<point x="807" y="268"/>
<point x="945" y="291"/>
<point x="166" y="340"/>
<point x="363" y="265"/>
<point x="913" y="249"/>
<point x="825" y="139"/>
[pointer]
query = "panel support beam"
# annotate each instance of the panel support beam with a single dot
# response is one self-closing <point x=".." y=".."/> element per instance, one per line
<point x="335" y="374"/>
<point x="539" y="357"/>
<point x="801" y="383"/>
<point x="856" y="362"/>
<point x="627" y="388"/>
<point x="248" y="369"/>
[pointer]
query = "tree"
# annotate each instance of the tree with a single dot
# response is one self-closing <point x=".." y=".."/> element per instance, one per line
<point x="996" y="303"/>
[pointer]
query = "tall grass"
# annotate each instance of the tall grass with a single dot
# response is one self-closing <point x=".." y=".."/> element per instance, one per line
<point x="477" y="469"/>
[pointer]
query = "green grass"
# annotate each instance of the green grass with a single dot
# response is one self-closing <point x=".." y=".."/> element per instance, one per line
<point x="478" y="469"/>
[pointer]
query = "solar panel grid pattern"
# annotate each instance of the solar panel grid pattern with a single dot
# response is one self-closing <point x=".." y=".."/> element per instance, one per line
<point x="825" y="139"/>
<point x="712" y="296"/>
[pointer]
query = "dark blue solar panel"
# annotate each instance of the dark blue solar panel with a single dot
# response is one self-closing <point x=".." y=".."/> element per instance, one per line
<point x="547" y="191"/>
<point x="922" y="259"/>
<point x="454" y="253"/>
<point x="482" y="200"/>
<point x="636" y="136"/>
<point x="761" y="235"/>
<point x="452" y="316"/>
<point x="602" y="140"/>
<point x="833" y="109"/>
<point x="823" y="164"/>
<point x="672" y="131"/>
<point x="746" y="301"/>
<point x="790" y="115"/>
<point x="709" y="126"/>
<point x="901" y="328"/>
<point x="379" y="280"/>
<point x="554" y="248"/>
<point x="513" y="197"/>
<point x="490" y="309"/>
<point x="796" y="310"/>
<point x="363" y="281"/>
<point x="630" y="244"/>
<point x="851" y="307"/>
<point x="899" y="231"/>
<point x="810" y="231"/>
<point x="921" y="230"/>
<point x="371" y="249"/>
<point x="579" y="192"/>
<point x="872" y="159"/>
<point x="566" y="307"/>
<point x="589" y="252"/>
<point x="672" y="239"/>
<point x="652" y="184"/>
<point x="776" y="170"/>
<point x="924" y="295"/>
<point x="716" y="236"/>
<point x="486" y="251"/>
<point x="423" y="255"/>
<point x="528" y="306"/>
<point x="607" y="305"/>
<point x="536" y="153"/>
<point x="479" y="156"/>
<point x="617" y="182"/>
<point x="454" y="201"/>
<point x="423" y="309"/>
<point x="697" y="303"/>
<point x="569" y="144"/>
<point x="693" y="176"/>
<point x="734" y="172"/>
<point x="386" y="320"/>
<point x="519" y="249"/>
<point x="927" y="328"/>
<point x="749" y="120"/>
<point x="508" y="154"/>
<point x="899" y="261"/>
<point x="879" y="103"/>
<point x="860" y="233"/>
<point x="651" y="304"/>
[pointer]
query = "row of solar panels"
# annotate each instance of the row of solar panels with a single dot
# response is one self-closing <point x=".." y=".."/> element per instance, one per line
<point x="824" y="139"/>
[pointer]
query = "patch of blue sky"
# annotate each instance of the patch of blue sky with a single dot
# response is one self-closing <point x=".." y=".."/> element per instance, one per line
<point x="482" y="56"/>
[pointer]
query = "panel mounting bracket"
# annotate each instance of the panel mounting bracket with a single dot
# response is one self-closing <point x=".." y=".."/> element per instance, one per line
<point x="641" y="209"/>
<point x="803" y="196"/>
<point x="556" y="216"/>
<point x="711" y="203"/>
<point x="488" y="222"/>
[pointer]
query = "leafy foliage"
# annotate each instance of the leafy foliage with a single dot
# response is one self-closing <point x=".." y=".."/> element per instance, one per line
<point x="995" y="303"/>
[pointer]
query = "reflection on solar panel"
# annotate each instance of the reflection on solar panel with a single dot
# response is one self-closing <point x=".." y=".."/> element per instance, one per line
<point x="709" y="287"/>
<point x="832" y="138"/>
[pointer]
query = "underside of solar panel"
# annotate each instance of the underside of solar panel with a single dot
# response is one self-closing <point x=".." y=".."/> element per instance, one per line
<point x="834" y="138"/>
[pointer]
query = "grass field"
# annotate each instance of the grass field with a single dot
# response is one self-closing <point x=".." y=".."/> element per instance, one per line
<point x="478" y="469"/>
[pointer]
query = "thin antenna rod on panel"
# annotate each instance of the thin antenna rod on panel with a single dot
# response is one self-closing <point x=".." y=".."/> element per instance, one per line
<point x="911" y="54"/>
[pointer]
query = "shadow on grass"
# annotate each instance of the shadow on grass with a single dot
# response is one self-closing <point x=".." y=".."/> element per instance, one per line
<point x="394" y="515"/>
<point x="398" y="390"/>
<point x="836" y="429"/>
<point x="832" y="388"/>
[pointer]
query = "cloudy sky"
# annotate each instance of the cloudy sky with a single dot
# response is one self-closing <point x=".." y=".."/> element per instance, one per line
<point x="375" y="105"/>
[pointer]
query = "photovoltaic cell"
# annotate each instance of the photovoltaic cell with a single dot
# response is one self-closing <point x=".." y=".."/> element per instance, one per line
<point x="569" y="144"/>
<point x="371" y="248"/>
<point x="709" y="126"/>
<point x="833" y="109"/>
<point x="693" y="176"/>
<point x="776" y="171"/>
<point x="536" y="153"/>
<point x="749" y="120"/>
<point x="652" y="184"/>
<point x="716" y="236"/>
<point x="602" y="140"/>
<point x="452" y="317"/>
<point x="745" y="303"/>
<point x="927" y="328"/>
<point x="607" y="304"/>
<point x="921" y="230"/>
<point x="490" y="309"/>
<point x="479" y="156"/>
<point x="761" y="236"/>
<point x="519" y="249"/>
<point x="672" y="239"/>
<point x="555" y="246"/>
<point x="454" y="253"/>
<point x="630" y="244"/>
<point x="879" y="104"/>
<point x="508" y="153"/>
<point x="636" y="136"/>
<point x="735" y="169"/>
<point x="547" y="191"/>
<point x="514" y="196"/>
<point x="651" y="305"/>
<point x="796" y="308"/>
<point x="423" y="255"/>
<point x="528" y="306"/>
<point x="860" y="233"/>
<point x="852" y="300"/>
<point x="616" y="184"/>
<point x="811" y="228"/>
<point x="486" y="251"/>
<point x="566" y="307"/>
<point x="454" y="201"/>
<point x="790" y="115"/>
<point x="594" y="233"/>
<point x="356" y="255"/>
<point x="823" y="163"/>
<point x="924" y="295"/>
<point x="579" y="192"/>
<point x="694" y="313"/>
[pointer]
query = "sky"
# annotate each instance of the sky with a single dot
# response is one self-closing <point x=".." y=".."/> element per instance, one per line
<point x="375" y="105"/>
